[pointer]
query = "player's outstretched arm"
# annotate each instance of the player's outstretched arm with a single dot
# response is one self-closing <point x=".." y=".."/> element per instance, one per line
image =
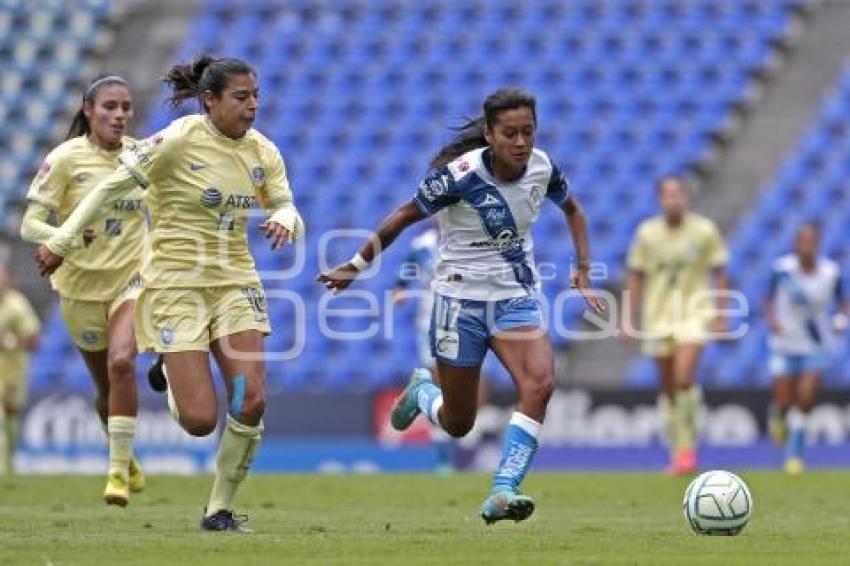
<point x="50" y="254"/>
<point x="577" y="221"/>
<point x="631" y="303"/>
<point x="401" y="218"/>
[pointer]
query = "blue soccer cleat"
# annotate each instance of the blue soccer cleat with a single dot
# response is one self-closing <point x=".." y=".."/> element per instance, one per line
<point x="507" y="505"/>
<point x="224" y="520"/>
<point x="406" y="406"/>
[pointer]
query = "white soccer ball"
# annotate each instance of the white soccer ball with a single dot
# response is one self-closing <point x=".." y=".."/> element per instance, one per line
<point x="718" y="503"/>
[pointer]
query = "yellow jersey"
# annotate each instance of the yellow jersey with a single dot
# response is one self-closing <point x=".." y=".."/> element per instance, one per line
<point x="205" y="185"/>
<point x="101" y="271"/>
<point x="18" y="322"/>
<point x="676" y="263"/>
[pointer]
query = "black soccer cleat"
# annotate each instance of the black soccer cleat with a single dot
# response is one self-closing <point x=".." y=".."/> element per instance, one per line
<point x="224" y="520"/>
<point x="156" y="376"/>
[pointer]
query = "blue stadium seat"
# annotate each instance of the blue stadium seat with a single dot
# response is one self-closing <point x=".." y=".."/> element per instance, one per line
<point x="359" y="96"/>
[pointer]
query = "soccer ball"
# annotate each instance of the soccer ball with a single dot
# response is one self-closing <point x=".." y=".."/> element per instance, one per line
<point x="717" y="503"/>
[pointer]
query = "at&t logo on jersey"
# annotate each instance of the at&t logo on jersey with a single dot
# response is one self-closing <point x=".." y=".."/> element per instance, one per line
<point x="241" y="201"/>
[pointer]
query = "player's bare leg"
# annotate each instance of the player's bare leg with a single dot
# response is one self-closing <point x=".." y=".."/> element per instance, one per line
<point x="117" y="492"/>
<point x="686" y="403"/>
<point x="666" y="394"/>
<point x="805" y="394"/>
<point x="124" y="474"/>
<point x="239" y="356"/>
<point x="782" y="399"/>
<point x="527" y="355"/>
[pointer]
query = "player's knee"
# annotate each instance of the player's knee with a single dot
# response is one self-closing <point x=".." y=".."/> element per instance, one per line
<point x="458" y="427"/>
<point x="539" y="387"/>
<point x="198" y="422"/>
<point x="121" y="365"/>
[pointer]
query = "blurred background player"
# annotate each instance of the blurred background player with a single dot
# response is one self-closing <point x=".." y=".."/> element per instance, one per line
<point x="19" y="334"/>
<point x="419" y="267"/>
<point x="804" y="288"/>
<point x="98" y="285"/>
<point x="488" y="186"/>
<point x="669" y="262"/>
<point x="202" y="291"/>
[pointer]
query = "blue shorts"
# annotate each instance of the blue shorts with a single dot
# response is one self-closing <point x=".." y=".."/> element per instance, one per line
<point x="461" y="328"/>
<point x="794" y="365"/>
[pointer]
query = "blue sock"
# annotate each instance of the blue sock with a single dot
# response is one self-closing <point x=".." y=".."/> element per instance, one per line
<point x="796" y="434"/>
<point x="430" y="399"/>
<point x="443" y="445"/>
<point x="518" y="451"/>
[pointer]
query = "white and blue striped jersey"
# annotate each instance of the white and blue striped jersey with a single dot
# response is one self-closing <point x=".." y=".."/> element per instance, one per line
<point x="802" y="304"/>
<point x="485" y="225"/>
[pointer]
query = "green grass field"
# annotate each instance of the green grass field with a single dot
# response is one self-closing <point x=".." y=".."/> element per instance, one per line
<point x="581" y="519"/>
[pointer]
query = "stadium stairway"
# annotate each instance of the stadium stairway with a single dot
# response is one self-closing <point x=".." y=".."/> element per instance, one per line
<point x="790" y="102"/>
<point x="780" y="107"/>
<point x="792" y="144"/>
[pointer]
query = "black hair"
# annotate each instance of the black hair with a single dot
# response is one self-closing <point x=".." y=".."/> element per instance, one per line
<point x="205" y="73"/>
<point x="80" y="125"/>
<point x="471" y="135"/>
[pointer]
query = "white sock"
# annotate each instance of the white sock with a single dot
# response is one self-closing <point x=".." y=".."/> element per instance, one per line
<point x="236" y="451"/>
<point x="121" y="431"/>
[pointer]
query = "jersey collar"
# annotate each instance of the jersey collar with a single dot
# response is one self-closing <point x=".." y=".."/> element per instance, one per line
<point x="217" y="133"/>
<point x="487" y="161"/>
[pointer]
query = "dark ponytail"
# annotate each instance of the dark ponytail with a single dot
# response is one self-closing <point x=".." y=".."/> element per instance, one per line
<point x="206" y="73"/>
<point x="471" y="134"/>
<point x="79" y="123"/>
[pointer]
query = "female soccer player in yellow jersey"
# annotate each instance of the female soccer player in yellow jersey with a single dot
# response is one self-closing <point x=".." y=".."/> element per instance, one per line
<point x="98" y="284"/>
<point x="201" y="289"/>
<point x="670" y="261"/>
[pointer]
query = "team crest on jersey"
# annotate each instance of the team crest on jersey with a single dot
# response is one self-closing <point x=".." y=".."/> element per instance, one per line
<point x="113" y="226"/>
<point x="536" y="196"/>
<point x="211" y="197"/>
<point x="42" y="172"/>
<point x="89" y="336"/>
<point x="258" y="174"/>
<point x="434" y="187"/>
<point x="166" y="336"/>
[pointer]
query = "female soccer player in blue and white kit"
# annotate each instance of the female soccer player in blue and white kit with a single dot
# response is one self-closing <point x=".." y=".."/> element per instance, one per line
<point x="804" y="287"/>
<point x="487" y="186"/>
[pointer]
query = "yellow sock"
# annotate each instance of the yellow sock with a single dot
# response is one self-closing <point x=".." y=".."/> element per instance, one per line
<point x="121" y="431"/>
<point x="236" y="451"/>
<point x="11" y="441"/>
<point x="686" y="407"/>
<point x="5" y="466"/>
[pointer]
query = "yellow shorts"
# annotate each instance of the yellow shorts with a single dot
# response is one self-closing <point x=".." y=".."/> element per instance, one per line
<point x="88" y="321"/>
<point x="180" y="320"/>
<point x="663" y="343"/>
<point x="13" y="379"/>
